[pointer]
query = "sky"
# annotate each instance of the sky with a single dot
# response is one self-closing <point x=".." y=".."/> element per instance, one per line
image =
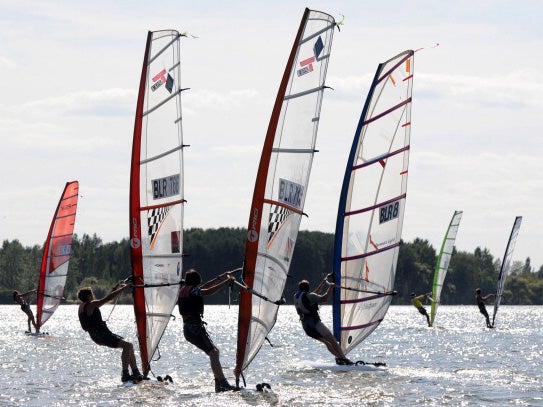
<point x="70" y="72"/>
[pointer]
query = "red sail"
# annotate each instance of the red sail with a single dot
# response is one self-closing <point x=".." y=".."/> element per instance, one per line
<point x="56" y="254"/>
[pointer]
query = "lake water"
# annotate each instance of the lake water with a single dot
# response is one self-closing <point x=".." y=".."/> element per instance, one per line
<point x="457" y="363"/>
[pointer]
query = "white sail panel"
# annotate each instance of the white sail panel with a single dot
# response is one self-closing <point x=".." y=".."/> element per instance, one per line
<point x="156" y="217"/>
<point x="282" y="179"/>
<point x="443" y="260"/>
<point x="506" y="265"/>
<point x="372" y="202"/>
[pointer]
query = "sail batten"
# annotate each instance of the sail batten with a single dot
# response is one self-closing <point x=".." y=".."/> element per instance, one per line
<point x="157" y="157"/>
<point x="281" y="183"/>
<point x="156" y="192"/>
<point x="304" y="93"/>
<point x="162" y="102"/>
<point x="56" y="254"/>
<point x="372" y="203"/>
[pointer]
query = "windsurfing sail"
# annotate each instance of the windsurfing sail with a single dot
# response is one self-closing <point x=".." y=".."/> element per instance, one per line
<point x="281" y="183"/>
<point x="156" y="192"/>
<point x="443" y="262"/>
<point x="56" y="254"/>
<point x="372" y="203"/>
<point x="506" y="265"/>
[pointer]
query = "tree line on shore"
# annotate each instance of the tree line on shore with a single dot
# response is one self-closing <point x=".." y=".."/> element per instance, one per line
<point x="213" y="251"/>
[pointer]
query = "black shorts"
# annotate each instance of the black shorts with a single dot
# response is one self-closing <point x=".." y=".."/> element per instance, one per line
<point x="422" y="311"/>
<point x="482" y="310"/>
<point x="311" y="326"/>
<point x="105" y="337"/>
<point x="195" y="333"/>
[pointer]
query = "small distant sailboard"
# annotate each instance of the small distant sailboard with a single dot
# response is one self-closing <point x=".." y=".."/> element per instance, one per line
<point x="365" y="367"/>
<point x="443" y="263"/>
<point x="28" y="333"/>
<point x="372" y="203"/>
<point x="506" y="265"/>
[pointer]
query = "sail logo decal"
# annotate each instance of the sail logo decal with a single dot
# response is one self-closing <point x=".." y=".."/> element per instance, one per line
<point x="389" y="212"/>
<point x="154" y="219"/>
<point x="252" y="234"/>
<point x="291" y="193"/>
<point x="277" y="218"/>
<point x="175" y="241"/>
<point x="165" y="187"/>
<point x="162" y="78"/>
<point x="288" y="249"/>
<point x="135" y="242"/>
<point x="64" y="250"/>
<point x="307" y="64"/>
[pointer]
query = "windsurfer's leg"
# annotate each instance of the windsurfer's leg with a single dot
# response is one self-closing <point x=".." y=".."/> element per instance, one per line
<point x="333" y="346"/>
<point x="127" y="356"/>
<point x="215" y="362"/>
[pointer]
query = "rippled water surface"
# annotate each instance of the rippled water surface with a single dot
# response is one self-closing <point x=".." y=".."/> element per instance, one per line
<point x="457" y="363"/>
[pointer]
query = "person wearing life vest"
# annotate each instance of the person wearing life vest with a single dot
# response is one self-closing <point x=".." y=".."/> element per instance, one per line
<point x="416" y="300"/>
<point x="191" y="308"/>
<point x="481" y="301"/>
<point x="91" y="321"/>
<point x="307" y="306"/>
<point x="25" y="307"/>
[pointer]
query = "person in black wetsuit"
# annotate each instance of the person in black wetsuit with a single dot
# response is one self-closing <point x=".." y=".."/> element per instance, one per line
<point x="481" y="300"/>
<point x="25" y="307"/>
<point x="307" y="306"/>
<point x="191" y="308"/>
<point x="91" y="321"/>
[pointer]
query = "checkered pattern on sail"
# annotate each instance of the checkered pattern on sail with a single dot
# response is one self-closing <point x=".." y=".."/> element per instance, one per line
<point x="278" y="214"/>
<point x="154" y="219"/>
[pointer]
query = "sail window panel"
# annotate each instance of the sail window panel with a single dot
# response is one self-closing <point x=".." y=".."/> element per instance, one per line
<point x="161" y="122"/>
<point x="270" y="279"/>
<point x="372" y="312"/>
<point x="380" y="140"/>
<point x="385" y="182"/>
<point x="297" y="128"/>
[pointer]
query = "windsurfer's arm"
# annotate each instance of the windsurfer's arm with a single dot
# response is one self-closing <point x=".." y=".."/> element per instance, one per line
<point x="328" y="292"/>
<point x="323" y="283"/>
<point x="212" y="286"/>
<point x="119" y="287"/>
<point x="219" y="279"/>
<point x="28" y="292"/>
<point x="486" y="297"/>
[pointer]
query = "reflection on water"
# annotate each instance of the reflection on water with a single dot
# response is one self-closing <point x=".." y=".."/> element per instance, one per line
<point x="459" y="362"/>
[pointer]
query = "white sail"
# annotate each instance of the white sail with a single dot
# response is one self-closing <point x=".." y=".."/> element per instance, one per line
<point x="156" y="192"/>
<point x="281" y="184"/>
<point x="443" y="260"/>
<point x="506" y="265"/>
<point x="372" y="203"/>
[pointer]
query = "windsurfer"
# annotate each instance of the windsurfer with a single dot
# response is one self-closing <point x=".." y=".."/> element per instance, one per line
<point x="481" y="300"/>
<point x="307" y="306"/>
<point x="25" y="307"/>
<point x="416" y="300"/>
<point x="91" y="321"/>
<point x="191" y="308"/>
